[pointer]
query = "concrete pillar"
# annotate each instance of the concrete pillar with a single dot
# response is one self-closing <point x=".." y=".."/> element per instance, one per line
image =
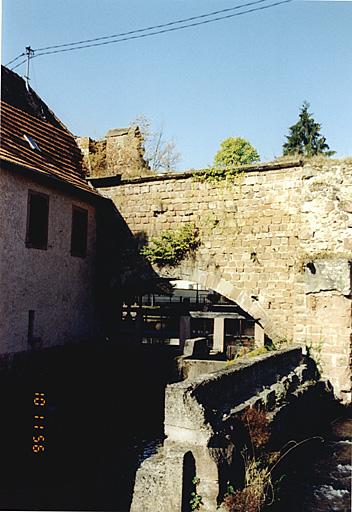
<point x="258" y="335"/>
<point x="185" y="330"/>
<point x="207" y="470"/>
<point x="219" y="334"/>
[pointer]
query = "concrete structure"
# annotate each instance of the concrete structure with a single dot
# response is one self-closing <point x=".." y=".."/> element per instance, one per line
<point x="197" y="360"/>
<point x="277" y="242"/>
<point x="202" y="425"/>
<point x="219" y="325"/>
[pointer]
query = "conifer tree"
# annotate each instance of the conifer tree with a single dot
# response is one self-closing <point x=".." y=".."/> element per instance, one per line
<point x="304" y="137"/>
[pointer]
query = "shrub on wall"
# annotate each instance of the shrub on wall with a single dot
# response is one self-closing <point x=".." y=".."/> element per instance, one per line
<point x="235" y="151"/>
<point x="172" y="246"/>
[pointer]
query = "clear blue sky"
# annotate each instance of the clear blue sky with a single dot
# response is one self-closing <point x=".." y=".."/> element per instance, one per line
<point x="244" y="76"/>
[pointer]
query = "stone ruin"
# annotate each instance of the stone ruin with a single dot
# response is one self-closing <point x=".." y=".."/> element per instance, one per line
<point x="119" y="154"/>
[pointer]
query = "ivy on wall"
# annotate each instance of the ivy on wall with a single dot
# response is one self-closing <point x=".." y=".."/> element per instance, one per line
<point x="172" y="246"/>
<point x="218" y="175"/>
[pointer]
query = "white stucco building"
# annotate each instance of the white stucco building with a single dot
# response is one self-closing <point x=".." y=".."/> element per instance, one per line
<point x="48" y="228"/>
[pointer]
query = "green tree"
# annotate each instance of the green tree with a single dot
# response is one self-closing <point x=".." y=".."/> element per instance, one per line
<point x="304" y="137"/>
<point x="235" y="151"/>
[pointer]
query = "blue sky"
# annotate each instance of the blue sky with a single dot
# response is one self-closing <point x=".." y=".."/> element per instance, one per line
<point x="246" y="76"/>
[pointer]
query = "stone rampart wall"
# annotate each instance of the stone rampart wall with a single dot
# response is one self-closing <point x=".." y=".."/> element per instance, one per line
<point x="257" y="236"/>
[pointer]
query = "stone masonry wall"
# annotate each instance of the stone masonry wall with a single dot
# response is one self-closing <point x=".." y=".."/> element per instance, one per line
<point x="121" y="152"/>
<point x="257" y="237"/>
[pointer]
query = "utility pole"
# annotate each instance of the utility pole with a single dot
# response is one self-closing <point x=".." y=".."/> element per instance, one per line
<point x="29" y="53"/>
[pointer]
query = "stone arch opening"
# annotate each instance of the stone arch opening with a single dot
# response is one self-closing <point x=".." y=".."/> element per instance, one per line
<point x="173" y="325"/>
<point x="246" y="299"/>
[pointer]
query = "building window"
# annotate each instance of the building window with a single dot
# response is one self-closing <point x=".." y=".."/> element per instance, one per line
<point x="79" y="232"/>
<point x="37" y="220"/>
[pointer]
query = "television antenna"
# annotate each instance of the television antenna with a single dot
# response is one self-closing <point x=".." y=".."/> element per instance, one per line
<point x="29" y="54"/>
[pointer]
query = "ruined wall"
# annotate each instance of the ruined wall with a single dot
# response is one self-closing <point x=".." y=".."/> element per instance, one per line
<point x="119" y="153"/>
<point x="257" y="236"/>
<point x="58" y="287"/>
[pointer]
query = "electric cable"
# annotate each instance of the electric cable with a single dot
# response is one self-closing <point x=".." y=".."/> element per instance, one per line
<point x="20" y="64"/>
<point x="153" y="27"/>
<point x="140" y="36"/>
<point x="64" y="47"/>
<point x="14" y="60"/>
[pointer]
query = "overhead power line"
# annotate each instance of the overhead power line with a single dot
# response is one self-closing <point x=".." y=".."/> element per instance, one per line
<point x="172" y="29"/>
<point x="18" y="65"/>
<point x="153" y="27"/>
<point x="16" y="58"/>
<point x="150" y="31"/>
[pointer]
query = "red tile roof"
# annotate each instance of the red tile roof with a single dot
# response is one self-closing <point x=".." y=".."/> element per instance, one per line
<point x="59" y="155"/>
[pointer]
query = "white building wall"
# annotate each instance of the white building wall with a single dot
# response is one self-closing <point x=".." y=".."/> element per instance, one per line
<point x="56" y="285"/>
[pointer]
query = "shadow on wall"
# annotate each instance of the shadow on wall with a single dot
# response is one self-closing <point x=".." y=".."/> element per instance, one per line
<point x="188" y="481"/>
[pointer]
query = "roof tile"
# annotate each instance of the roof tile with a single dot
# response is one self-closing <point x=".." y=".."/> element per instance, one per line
<point x="59" y="155"/>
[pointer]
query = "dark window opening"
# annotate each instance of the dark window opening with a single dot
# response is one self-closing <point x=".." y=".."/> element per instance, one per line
<point x="79" y="232"/>
<point x="37" y="220"/>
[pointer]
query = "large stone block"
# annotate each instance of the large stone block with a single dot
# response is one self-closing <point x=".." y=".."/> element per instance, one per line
<point x="327" y="275"/>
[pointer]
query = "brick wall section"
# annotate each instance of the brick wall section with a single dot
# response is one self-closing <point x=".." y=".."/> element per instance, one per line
<point x="257" y="235"/>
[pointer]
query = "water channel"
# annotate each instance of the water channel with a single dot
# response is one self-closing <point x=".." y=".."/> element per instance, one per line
<point x="104" y="415"/>
<point x="316" y="477"/>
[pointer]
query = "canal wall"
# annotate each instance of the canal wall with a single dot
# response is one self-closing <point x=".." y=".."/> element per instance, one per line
<point x="202" y="427"/>
<point x="277" y="241"/>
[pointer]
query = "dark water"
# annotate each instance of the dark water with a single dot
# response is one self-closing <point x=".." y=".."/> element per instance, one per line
<point x="329" y="486"/>
<point x="104" y="407"/>
<point x="318" y="477"/>
<point x="103" y="414"/>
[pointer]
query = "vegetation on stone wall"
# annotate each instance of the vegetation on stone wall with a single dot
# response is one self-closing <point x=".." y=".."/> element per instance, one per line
<point x="258" y="486"/>
<point x="261" y="488"/>
<point x="97" y="157"/>
<point x="218" y="175"/>
<point x="235" y="151"/>
<point x="196" y="499"/>
<point x="172" y="246"/>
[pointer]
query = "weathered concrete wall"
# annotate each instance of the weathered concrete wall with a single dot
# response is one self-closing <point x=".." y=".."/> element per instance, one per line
<point x="192" y="368"/>
<point x="196" y="361"/>
<point x="57" y="286"/>
<point x="201" y="421"/>
<point x="257" y="236"/>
